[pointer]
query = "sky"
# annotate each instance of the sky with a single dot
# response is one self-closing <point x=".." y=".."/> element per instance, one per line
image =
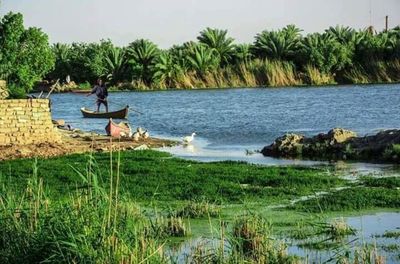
<point x="168" y="22"/>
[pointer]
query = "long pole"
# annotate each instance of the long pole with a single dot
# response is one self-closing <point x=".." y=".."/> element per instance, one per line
<point x="386" y="23"/>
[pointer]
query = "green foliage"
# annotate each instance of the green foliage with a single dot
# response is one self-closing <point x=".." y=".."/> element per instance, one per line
<point x="203" y="59"/>
<point x="116" y="64"/>
<point x="62" y="66"/>
<point x="84" y="86"/>
<point x="353" y="199"/>
<point x="197" y="209"/>
<point x="217" y="39"/>
<point x="86" y="227"/>
<point x="142" y="55"/>
<point x="242" y="54"/>
<point x="325" y="53"/>
<point x="16" y="92"/>
<point x="343" y="35"/>
<point x="252" y="238"/>
<point x="83" y="62"/>
<point x="280" y="45"/>
<point x="155" y="175"/>
<point x="166" y="72"/>
<point x="387" y="182"/>
<point x="25" y="53"/>
<point x="339" y="55"/>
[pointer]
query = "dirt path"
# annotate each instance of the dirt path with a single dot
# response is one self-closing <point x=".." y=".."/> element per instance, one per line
<point x="79" y="142"/>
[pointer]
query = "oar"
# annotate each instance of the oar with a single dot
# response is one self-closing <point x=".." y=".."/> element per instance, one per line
<point x="136" y="111"/>
<point x="124" y="106"/>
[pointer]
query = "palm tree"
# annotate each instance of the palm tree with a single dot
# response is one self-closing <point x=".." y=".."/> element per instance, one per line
<point x="376" y="47"/>
<point x="116" y="64"/>
<point x="142" y="55"/>
<point x="179" y="55"/>
<point x="242" y="53"/>
<point x="280" y="45"/>
<point x="62" y="67"/>
<point x="324" y="52"/>
<point x="166" y="71"/>
<point x="217" y="39"/>
<point x="203" y="59"/>
<point x="342" y="34"/>
<point x="61" y="51"/>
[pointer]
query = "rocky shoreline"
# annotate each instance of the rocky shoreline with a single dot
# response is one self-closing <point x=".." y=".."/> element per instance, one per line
<point x="338" y="144"/>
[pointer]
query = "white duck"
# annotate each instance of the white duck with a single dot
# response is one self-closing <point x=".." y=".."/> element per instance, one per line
<point x="140" y="130"/>
<point x="146" y="134"/>
<point x="189" y="139"/>
<point x="136" y="136"/>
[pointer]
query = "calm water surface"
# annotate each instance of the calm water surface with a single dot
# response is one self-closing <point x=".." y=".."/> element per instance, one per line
<point x="229" y="121"/>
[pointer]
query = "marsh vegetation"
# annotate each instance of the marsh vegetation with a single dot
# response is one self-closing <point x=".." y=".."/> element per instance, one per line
<point x="122" y="208"/>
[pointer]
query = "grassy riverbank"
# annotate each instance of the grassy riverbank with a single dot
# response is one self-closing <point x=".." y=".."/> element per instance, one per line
<point x="125" y="208"/>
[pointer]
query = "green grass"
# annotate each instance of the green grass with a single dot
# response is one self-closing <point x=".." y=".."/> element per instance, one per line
<point x="386" y="182"/>
<point x="153" y="175"/>
<point x="352" y="199"/>
<point x="79" y="209"/>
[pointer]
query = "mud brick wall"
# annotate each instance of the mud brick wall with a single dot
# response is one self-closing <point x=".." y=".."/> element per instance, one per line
<point x="3" y="89"/>
<point x="26" y="121"/>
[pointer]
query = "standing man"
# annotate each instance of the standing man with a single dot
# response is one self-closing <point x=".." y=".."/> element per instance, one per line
<point x="101" y="92"/>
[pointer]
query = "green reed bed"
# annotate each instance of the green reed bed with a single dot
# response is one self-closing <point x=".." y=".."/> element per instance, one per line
<point x="360" y="198"/>
<point x="88" y="221"/>
<point x="198" y="209"/>
<point x="90" y="225"/>
<point x="105" y="208"/>
<point x="153" y="175"/>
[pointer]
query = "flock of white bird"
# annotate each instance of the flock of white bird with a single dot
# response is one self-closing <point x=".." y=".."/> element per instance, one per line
<point x="140" y="133"/>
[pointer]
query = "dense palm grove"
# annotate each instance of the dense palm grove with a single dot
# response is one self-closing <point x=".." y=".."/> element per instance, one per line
<point x="275" y="58"/>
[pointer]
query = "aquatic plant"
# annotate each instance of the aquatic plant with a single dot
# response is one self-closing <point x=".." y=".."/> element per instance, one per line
<point x="391" y="234"/>
<point x="352" y="199"/>
<point x="386" y="182"/>
<point x="146" y="172"/>
<point x="251" y="237"/>
<point x="162" y="227"/>
<point x="197" y="209"/>
<point x="88" y="226"/>
<point x="88" y="212"/>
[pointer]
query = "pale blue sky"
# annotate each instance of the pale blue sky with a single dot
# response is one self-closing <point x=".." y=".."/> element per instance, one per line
<point x="168" y="22"/>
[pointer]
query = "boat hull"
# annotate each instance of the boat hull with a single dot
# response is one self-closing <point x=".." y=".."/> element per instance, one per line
<point x="120" y="114"/>
<point x="117" y="130"/>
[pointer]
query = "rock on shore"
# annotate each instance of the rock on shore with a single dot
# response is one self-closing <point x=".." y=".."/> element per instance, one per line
<point x="338" y="144"/>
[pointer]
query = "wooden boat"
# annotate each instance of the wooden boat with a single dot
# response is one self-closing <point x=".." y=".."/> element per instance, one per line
<point x="119" y="114"/>
<point x="117" y="130"/>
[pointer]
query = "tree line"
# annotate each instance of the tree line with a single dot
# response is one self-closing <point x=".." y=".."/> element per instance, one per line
<point x="275" y="58"/>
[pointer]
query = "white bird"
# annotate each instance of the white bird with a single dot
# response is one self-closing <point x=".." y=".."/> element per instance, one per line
<point x="140" y="130"/>
<point x="189" y="139"/>
<point x="136" y="136"/>
<point x="146" y="135"/>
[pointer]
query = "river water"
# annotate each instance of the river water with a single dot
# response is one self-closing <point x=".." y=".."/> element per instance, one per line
<point x="230" y="121"/>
